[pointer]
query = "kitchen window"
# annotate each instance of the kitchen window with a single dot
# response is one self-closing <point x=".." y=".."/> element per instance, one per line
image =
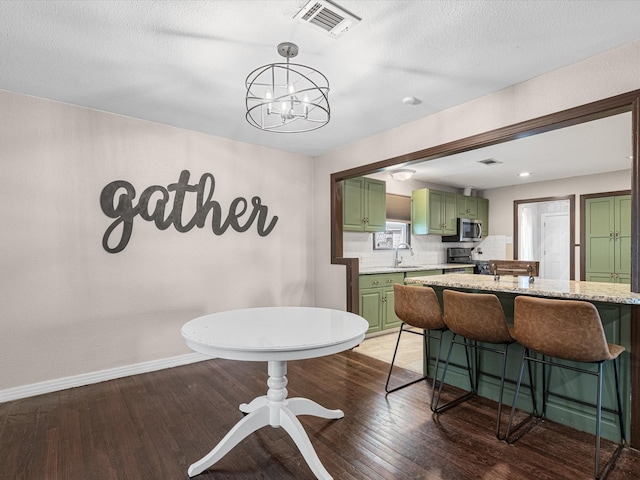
<point x="394" y="234"/>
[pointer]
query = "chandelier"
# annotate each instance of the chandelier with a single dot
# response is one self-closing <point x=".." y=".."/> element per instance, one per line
<point x="287" y="97"/>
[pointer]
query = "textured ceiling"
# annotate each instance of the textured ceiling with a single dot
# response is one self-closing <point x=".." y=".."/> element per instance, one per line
<point x="184" y="63"/>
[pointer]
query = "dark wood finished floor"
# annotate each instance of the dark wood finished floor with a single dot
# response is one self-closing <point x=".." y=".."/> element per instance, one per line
<point x="154" y="426"/>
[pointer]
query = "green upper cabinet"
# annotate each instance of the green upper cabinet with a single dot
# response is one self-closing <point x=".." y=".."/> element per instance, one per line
<point x="608" y="239"/>
<point x="467" y="206"/>
<point x="433" y="211"/>
<point x="364" y="207"/>
<point x="483" y="215"/>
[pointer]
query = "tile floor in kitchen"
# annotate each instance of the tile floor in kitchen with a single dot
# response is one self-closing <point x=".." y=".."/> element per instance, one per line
<point x="382" y="346"/>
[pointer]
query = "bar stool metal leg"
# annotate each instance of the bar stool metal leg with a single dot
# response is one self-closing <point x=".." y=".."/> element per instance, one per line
<point x="393" y="360"/>
<point x="534" y="419"/>
<point x="420" y="312"/>
<point x="426" y="335"/>
<point x="436" y="399"/>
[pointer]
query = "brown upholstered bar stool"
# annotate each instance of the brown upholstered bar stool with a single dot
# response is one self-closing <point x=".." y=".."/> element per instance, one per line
<point x="417" y="307"/>
<point x="568" y="330"/>
<point x="473" y="318"/>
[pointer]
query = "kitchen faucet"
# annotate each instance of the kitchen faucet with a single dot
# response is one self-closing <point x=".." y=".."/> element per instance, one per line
<point x="397" y="262"/>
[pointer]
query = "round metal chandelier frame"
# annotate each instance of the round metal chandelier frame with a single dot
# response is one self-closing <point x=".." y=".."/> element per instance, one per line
<point x="287" y="97"/>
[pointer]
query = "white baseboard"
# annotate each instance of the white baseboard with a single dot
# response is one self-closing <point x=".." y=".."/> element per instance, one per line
<point x="99" y="376"/>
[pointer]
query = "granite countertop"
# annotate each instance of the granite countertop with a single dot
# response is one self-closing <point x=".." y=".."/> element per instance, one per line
<point x="570" y="289"/>
<point x="413" y="268"/>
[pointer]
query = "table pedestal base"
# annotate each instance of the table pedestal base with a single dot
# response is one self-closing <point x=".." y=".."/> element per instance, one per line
<point x="276" y="410"/>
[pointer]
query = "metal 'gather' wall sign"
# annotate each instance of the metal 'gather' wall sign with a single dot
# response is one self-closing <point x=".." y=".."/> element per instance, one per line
<point x="117" y="201"/>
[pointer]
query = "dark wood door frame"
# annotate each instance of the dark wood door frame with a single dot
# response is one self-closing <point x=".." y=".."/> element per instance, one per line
<point x="603" y="108"/>
<point x="572" y="223"/>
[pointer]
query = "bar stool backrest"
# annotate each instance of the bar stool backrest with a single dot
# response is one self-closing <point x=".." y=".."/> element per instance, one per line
<point x="566" y="329"/>
<point x="476" y="316"/>
<point x="418" y="307"/>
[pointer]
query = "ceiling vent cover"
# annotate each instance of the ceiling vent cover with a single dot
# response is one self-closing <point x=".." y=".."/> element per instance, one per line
<point x="330" y="18"/>
<point x="489" y="161"/>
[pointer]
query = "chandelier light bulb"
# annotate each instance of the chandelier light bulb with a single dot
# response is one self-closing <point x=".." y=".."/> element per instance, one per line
<point x="269" y="96"/>
<point x="305" y="104"/>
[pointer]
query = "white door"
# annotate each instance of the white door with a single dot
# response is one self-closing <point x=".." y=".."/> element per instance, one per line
<point x="554" y="243"/>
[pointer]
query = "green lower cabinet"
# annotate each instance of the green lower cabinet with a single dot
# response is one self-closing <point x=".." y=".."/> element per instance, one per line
<point x="608" y="277"/>
<point x="377" y="301"/>
<point x="371" y="307"/>
<point x="608" y="239"/>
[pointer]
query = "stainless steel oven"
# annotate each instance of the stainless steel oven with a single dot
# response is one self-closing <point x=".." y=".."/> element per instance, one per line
<point x="463" y="255"/>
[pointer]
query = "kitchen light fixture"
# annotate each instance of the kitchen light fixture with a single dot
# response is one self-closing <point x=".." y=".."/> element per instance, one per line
<point x="411" y="101"/>
<point x="287" y="97"/>
<point x="402" y="174"/>
<point x="524" y="174"/>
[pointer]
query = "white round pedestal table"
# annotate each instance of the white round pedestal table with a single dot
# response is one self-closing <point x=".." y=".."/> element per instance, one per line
<point x="275" y="335"/>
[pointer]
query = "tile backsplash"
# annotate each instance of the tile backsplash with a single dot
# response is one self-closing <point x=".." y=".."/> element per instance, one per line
<point x="427" y="249"/>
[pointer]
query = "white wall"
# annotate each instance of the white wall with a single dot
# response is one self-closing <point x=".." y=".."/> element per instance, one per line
<point x="602" y="76"/>
<point x="67" y="307"/>
<point x="501" y="199"/>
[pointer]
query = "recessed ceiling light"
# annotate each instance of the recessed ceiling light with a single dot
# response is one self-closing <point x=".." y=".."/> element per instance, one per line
<point x="524" y="174"/>
<point x="411" y="101"/>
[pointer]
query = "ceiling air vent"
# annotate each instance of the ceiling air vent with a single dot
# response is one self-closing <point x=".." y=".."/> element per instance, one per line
<point x="489" y="161"/>
<point x="330" y="18"/>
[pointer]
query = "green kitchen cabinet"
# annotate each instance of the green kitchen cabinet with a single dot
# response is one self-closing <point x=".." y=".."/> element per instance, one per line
<point x="475" y="208"/>
<point x="483" y="215"/>
<point x="467" y="206"/>
<point x="364" y="205"/>
<point x="433" y="211"/>
<point x="608" y="239"/>
<point x="377" y="300"/>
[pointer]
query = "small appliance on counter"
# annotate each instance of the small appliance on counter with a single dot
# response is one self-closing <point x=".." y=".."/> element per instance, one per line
<point x="463" y="256"/>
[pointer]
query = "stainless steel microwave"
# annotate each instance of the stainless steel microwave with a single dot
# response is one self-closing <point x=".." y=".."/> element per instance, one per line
<point x="468" y="230"/>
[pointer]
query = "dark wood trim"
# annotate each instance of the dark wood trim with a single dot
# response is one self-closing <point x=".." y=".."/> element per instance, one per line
<point x="573" y="116"/>
<point x="572" y="230"/>
<point x="336" y="218"/>
<point x="635" y="197"/>
<point x="337" y="252"/>
<point x="625" y="102"/>
<point x="635" y="376"/>
<point x="583" y="230"/>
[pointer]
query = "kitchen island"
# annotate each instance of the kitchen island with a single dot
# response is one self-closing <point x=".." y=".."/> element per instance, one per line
<point x="618" y="308"/>
<point x="570" y="289"/>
